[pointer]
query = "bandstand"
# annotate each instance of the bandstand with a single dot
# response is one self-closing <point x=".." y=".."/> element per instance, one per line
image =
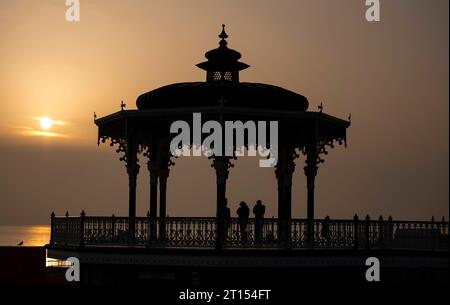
<point x="142" y="139"/>
<point x="221" y="97"/>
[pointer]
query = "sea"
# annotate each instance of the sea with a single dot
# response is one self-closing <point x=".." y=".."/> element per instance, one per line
<point x="26" y="235"/>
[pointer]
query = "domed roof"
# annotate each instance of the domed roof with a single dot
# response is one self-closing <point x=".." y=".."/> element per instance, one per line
<point x="222" y="82"/>
<point x="201" y="94"/>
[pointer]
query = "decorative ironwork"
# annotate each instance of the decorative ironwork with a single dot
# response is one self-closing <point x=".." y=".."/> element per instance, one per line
<point x="122" y="149"/>
<point x="322" y="147"/>
<point x="222" y="166"/>
<point x="200" y="232"/>
<point x="166" y="160"/>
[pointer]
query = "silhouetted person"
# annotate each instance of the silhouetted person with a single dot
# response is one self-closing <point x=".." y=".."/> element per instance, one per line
<point x="259" y="209"/>
<point x="226" y="218"/>
<point x="326" y="229"/>
<point x="243" y="213"/>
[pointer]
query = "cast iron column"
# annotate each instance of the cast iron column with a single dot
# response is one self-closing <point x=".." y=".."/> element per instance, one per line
<point x="221" y="165"/>
<point x="132" y="170"/>
<point x="311" y="172"/>
<point x="152" y="168"/>
<point x="284" y="171"/>
<point x="163" y="175"/>
<point x="153" y="172"/>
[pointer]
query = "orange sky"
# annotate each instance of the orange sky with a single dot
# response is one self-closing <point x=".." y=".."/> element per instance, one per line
<point x="392" y="76"/>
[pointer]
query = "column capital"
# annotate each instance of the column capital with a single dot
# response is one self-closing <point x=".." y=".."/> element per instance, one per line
<point x="221" y="165"/>
<point x="312" y="152"/>
<point x="152" y="165"/>
<point x="160" y="167"/>
<point x="284" y="172"/>
<point x="132" y="168"/>
<point x="153" y="169"/>
<point x="311" y="170"/>
<point x="285" y="167"/>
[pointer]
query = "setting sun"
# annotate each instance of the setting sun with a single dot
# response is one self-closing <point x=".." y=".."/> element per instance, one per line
<point x="47" y="128"/>
<point x="46" y="123"/>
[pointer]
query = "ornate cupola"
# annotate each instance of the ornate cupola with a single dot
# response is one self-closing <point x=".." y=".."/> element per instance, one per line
<point x="223" y="63"/>
<point x="222" y="83"/>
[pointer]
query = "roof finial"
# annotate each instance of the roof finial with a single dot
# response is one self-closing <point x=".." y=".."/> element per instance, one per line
<point x="223" y="35"/>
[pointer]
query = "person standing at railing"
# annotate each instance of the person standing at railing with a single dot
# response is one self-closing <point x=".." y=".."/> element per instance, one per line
<point x="259" y="209"/>
<point x="226" y="219"/>
<point x="243" y="213"/>
<point x="326" y="230"/>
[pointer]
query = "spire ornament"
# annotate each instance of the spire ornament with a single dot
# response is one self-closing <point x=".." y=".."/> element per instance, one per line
<point x="223" y="35"/>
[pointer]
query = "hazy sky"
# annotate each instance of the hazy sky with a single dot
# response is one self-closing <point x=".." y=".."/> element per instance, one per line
<point x="392" y="76"/>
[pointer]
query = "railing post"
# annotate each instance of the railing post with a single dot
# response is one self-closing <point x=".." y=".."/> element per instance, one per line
<point x="82" y="218"/>
<point x="443" y="228"/>
<point x="434" y="242"/>
<point x="326" y="231"/>
<point x="310" y="236"/>
<point x="162" y="229"/>
<point x="52" y="228"/>
<point x="381" y="231"/>
<point x="151" y="227"/>
<point x="367" y="231"/>
<point x="272" y="229"/>
<point x="113" y="227"/>
<point x="355" y="231"/>
<point x="390" y="231"/>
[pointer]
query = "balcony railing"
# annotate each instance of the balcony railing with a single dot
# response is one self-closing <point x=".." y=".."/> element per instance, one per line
<point x="201" y="232"/>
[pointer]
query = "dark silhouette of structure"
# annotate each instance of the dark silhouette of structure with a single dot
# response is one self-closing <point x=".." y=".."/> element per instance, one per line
<point x="166" y="243"/>
<point x="222" y="97"/>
